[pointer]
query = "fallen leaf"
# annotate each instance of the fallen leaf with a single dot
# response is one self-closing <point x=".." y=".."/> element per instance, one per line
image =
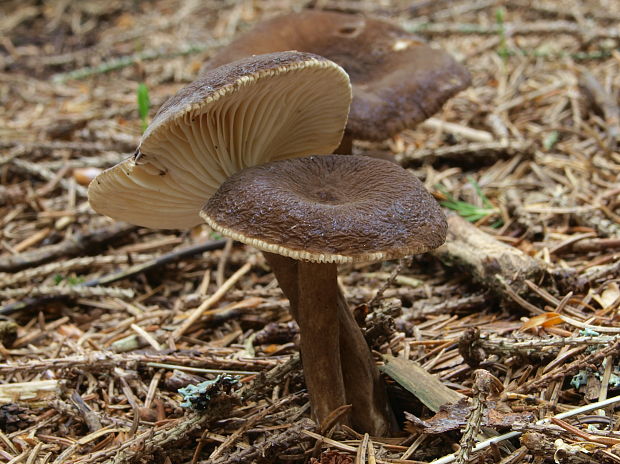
<point x="542" y="320"/>
<point x="454" y="416"/>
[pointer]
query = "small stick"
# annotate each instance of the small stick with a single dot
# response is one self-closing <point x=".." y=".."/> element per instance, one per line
<point x="181" y="429"/>
<point x="507" y="436"/>
<point x="146" y="336"/>
<point x="217" y="296"/>
<point x="586" y="436"/>
<point x="568" y="369"/>
<point x="511" y="346"/>
<point x="80" y="244"/>
<point x="128" y="60"/>
<point x="495" y="265"/>
<point x="414" y="446"/>
<point x="468" y="133"/>
<point x="76" y="291"/>
<point x="248" y="424"/>
<point x="267" y="450"/>
<point x="47" y="174"/>
<point x="173" y="256"/>
<point x="32" y="240"/>
<point x="512" y="29"/>
<point x="221" y="265"/>
<point x="47" y="145"/>
<point x="371" y="453"/>
<point x="390" y="280"/>
<point x="606" y="103"/>
<point x="484" y="385"/>
<point x="583" y="325"/>
<point x="473" y="152"/>
<point x="37" y="390"/>
<point x="199" y="369"/>
<point x="28" y="275"/>
<point x="360" y="456"/>
<point x="105" y="360"/>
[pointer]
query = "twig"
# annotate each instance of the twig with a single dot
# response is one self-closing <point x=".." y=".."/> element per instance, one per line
<point x="47" y="174"/>
<point x="507" y="436"/>
<point x="264" y="382"/>
<point x="37" y="390"/>
<point x="86" y="147"/>
<point x="29" y="275"/>
<point x="598" y="272"/>
<point x="472" y="153"/>
<point x="152" y="440"/>
<point x="133" y="270"/>
<point x="568" y="369"/>
<point x="199" y="369"/>
<point x="124" y="61"/>
<point x="216" y="455"/>
<point x="270" y="447"/>
<point x="557" y="9"/>
<point x="494" y="264"/>
<point x="75" y="291"/>
<point x="512" y="29"/>
<point x="468" y="133"/>
<point x="217" y="296"/>
<point x="505" y="345"/>
<point x="484" y="385"/>
<point x="105" y="360"/>
<point x="389" y="281"/>
<point x="606" y="103"/>
<point x="80" y="244"/>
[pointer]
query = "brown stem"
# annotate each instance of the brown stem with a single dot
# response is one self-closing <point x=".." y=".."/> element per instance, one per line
<point x="285" y="270"/>
<point x="317" y="316"/>
<point x="346" y="145"/>
<point x="363" y="386"/>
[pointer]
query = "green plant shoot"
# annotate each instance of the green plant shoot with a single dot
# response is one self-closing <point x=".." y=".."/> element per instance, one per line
<point x="502" y="49"/>
<point x="469" y="211"/>
<point x="144" y="104"/>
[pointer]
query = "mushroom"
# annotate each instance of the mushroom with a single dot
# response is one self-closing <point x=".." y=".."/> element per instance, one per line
<point x="398" y="80"/>
<point x="308" y="215"/>
<point x="255" y="110"/>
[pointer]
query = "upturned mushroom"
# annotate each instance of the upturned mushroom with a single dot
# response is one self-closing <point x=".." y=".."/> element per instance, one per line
<point x="398" y="80"/>
<point x="255" y="110"/>
<point x="309" y="214"/>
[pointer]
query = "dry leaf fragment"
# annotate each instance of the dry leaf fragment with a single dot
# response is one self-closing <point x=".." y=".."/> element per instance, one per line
<point x="542" y="320"/>
<point x="454" y="416"/>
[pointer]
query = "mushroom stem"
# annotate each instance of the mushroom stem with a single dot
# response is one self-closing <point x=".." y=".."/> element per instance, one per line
<point x="346" y="144"/>
<point x="364" y="388"/>
<point x="317" y="317"/>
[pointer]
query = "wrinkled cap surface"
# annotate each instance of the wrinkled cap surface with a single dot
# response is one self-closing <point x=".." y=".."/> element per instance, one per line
<point x="329" y="209"/>
<point x="398" y="80"/>
<point x="249" y="112"/>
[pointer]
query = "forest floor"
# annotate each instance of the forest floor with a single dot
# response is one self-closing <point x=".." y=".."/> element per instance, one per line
<point x="526" y="289"/>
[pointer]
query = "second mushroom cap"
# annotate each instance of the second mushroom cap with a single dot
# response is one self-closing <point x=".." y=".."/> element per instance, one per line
<point x="398" y="79"/>
<point x="329" y="209"/>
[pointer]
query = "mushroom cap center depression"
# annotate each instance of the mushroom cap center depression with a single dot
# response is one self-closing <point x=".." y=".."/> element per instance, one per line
<point x="328" y="209"/>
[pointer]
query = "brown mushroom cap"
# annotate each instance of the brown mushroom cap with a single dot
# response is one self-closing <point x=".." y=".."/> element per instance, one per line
<point x="331" y="209"/>
<point x="398" y="80"/>
<point x="259" y="109"/>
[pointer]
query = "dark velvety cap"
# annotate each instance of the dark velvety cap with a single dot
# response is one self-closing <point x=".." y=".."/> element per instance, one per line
<point x="249" y="112"/>
<point x="398" y="80"/>
<point x="330" y="208"/>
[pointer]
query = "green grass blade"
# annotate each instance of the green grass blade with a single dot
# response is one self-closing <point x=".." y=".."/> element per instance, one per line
<point x="144" y="104"/>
